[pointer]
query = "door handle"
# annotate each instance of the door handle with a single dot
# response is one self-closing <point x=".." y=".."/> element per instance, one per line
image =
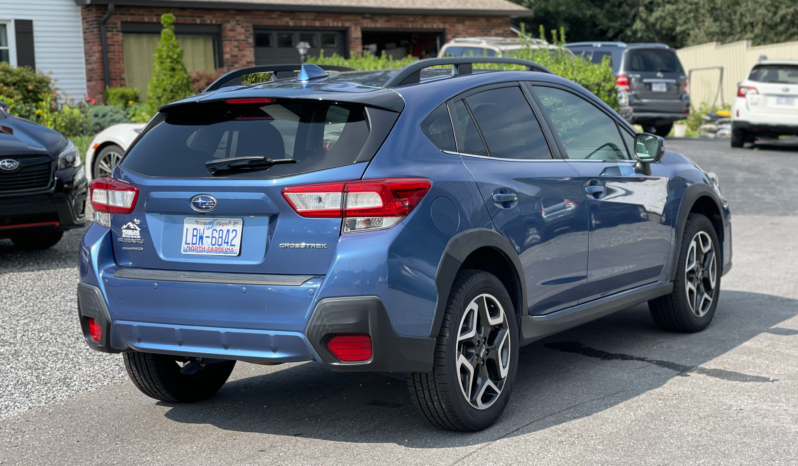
<point x="594" y="189"/>
<point x="500" y="198"/>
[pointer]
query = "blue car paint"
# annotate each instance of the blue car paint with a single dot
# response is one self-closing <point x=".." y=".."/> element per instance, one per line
<point x="398" y="265"/>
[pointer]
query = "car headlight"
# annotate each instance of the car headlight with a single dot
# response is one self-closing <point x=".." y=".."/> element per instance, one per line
<point x="69" y="157"/>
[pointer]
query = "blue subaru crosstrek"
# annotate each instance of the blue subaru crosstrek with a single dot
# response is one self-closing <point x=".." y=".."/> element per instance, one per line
<point x="427" y="221"/>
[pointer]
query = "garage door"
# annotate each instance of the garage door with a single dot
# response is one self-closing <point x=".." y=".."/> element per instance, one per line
<point x="279" y="46"/>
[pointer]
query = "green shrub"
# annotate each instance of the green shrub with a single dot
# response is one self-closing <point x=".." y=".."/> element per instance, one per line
<point x="103" y="116"/>
<point x="596" y="78"/>
<point x="138" y="113"/>
<point x="121" y="97"/>
<point x="23" y="85"/>
<point x="696" y="117"/>
<point x="71" y="121"/>
<point x="170" y="80"/>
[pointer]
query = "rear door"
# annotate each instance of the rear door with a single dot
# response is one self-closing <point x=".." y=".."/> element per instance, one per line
<point x="185" y="218"/>
<point x="533" y="197"/>
<point x="629" y="232"/>
<point x="777" y="89"/>
<point x="654" y="73"/>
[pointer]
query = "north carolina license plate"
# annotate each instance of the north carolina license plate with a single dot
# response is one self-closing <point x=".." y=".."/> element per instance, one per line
<point x="212" y="236"/>
<point x="785" y="101"/>
<point x="659" y="87"/>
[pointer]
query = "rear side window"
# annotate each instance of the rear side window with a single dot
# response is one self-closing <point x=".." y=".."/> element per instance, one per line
<point x="654" y="60"/>
<point x="438" y="128"/>
<point x="317" y="135"/>
<point x="508" y="125"/>
<point x="777" y="74"/>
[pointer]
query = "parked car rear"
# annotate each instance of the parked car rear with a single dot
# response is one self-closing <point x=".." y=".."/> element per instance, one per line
<point x="767" y="102"/>
<point x="651" y="80"/>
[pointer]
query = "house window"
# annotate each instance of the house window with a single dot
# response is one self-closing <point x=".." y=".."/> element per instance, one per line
<point x="7" y="47"/>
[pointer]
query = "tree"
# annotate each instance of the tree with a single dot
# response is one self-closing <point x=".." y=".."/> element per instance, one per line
<point x="170" y="80"/>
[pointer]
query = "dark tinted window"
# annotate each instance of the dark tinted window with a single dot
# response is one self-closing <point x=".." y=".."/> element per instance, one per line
<point x="317" y="135"/>
<point x="438" y="128"/>
<point x="469" y="140"/>
<point x="585" y="131"/>
<point x="662" y="60"/>
<point x="780" y="74"/>
<point x="510" y="128"/>
<point x="453" y="52"/>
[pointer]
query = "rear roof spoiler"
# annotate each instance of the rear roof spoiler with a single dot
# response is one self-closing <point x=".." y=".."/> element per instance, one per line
<point x="411" y="73"/>
<point x="278" y="72"/>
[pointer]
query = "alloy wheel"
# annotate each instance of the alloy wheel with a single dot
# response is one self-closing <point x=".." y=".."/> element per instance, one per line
<point x="701" y="274"/>
<point x="106" y="163"/>
<point x="482" y="358"/>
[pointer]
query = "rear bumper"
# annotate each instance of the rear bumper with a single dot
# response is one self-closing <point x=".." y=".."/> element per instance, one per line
<point x="765" y="129"/>
<point x="634" y="116"/>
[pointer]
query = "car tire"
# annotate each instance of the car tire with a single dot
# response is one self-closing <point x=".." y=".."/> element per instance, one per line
<point x="698" y="275"/>
<point x="478" y="335"/>
<point x="738" y="138"/>
<point x="106" y="160"/>
<point x="162" y="377"/>
<point x="663" y="129"/>
<point x="37" y="240"/>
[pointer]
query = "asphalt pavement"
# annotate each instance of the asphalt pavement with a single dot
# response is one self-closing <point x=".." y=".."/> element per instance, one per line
<point x="615" y="391"/>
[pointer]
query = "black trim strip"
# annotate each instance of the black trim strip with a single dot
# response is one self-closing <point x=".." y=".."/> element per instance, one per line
<point x="203" y="277"/>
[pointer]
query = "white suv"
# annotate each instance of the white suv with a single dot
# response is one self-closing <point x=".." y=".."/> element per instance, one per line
<point x="490" y="46"/>
<point x="767" y="102"/>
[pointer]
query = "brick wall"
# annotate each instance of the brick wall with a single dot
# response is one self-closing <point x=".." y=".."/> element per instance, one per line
<point x="238" y="26"/>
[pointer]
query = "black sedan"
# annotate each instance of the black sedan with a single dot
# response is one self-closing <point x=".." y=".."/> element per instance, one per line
<point x="42" y="184"/>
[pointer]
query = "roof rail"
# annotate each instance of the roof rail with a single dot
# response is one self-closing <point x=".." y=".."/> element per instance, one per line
<point x="411" y="73"/>
<point x="278" y="72"/>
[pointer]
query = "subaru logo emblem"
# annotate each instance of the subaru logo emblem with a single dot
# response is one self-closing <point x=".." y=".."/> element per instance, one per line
<point x="785" y="89"/>
<point x="8" y="165"/>
<point x="203" y="203"/>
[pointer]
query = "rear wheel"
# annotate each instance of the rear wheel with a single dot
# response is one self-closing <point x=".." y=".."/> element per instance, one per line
<point x="738" y="138"/>
<point x="476" y="357"/>
<point x="176" y="379"/>
<point x="37" y="240"/>
<point x="663" y="129"/>
<point x="691" y="306"/>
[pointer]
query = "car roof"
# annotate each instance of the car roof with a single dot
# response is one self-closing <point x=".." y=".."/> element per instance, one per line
<point x="618" y="44"/>
<point x="776" y="62"/>
<point x="498" y="42"/>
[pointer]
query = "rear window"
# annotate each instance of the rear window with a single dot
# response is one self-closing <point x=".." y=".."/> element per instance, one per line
<point x="662" y="60"/>
<point x="777" y="74"/>
<point x="468" y="52"/>
<point x="317" y="135"/>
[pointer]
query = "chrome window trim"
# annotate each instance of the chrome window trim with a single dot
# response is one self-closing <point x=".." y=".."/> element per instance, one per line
<point x="462" y="154"/>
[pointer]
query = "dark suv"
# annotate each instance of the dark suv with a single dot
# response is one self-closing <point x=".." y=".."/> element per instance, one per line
<point x="651" y="81"/>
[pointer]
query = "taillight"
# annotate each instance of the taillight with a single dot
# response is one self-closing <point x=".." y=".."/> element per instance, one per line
<point x="686" y="87"/>
<point x="623" y="83"/>
<point x="364" y="204"/>
<point x="95" y="330"/>
<point x="109" y="196"/>
<point x="743" y="91"/>
<point x="249" y="101"/>
<point x="350" y="347"/>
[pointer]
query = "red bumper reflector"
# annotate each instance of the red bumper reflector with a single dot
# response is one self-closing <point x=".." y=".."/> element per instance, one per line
<point x="95" y="330"/>
<point x="351" y="347"/>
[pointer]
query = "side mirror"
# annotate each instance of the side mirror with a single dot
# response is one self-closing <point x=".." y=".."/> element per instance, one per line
<point x="649" y="148"/>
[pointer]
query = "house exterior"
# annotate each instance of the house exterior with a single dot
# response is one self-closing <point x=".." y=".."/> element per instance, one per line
<point x="47" y="36"/>
<point x="120" y="35"/>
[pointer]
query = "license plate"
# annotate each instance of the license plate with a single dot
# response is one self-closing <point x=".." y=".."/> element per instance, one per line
<point x="212" y="236"/>
<point x="659" y="87"/>
<point x="785" y="101"/>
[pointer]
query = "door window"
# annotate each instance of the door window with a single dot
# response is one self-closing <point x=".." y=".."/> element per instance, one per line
<point x="470" y="142"/>
<point x="585" y="131"/>
<point x="508" y="124"/>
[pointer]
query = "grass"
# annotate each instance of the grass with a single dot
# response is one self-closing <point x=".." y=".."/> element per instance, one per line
<point x="82" y="143"/>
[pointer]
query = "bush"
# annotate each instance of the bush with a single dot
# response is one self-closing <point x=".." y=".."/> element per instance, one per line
<point x="121" y="97"/>
<point x="71" y="122"/>
<point x="23" y="85"/>
<point x="170" y="80"/>
<point x="201" y="79"/>
<point x="363" y="62"/>
<point x="103" y="116"/>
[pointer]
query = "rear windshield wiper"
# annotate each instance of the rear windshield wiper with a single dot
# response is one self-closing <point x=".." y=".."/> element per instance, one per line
<point x="243" y="164"/>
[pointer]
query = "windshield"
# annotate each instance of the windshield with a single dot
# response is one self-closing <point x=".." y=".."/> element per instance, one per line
<point x="317" y="135"/>
<point x="661" y="60"/>
<point x="781" y="74"/>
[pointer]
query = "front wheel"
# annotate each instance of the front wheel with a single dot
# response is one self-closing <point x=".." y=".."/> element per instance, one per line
<point x="174" y="378"/>
<point x="476" y="357"/>
<point x="692" y="304"/>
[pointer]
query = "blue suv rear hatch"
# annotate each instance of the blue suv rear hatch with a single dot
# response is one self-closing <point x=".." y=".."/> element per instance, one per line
<point x="194" y="171"/>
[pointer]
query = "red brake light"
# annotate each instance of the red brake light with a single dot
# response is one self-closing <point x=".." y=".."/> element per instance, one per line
<point x="113" y="196"/>
<point x="250" y="101"/>
<point x="366" y="204"/>
<point x="743" y="91"/>
<point x="95" y="330"/>
<point x="686" y="87"/>
<point x="351" y="347"/>
<point x="623" y="83"/>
